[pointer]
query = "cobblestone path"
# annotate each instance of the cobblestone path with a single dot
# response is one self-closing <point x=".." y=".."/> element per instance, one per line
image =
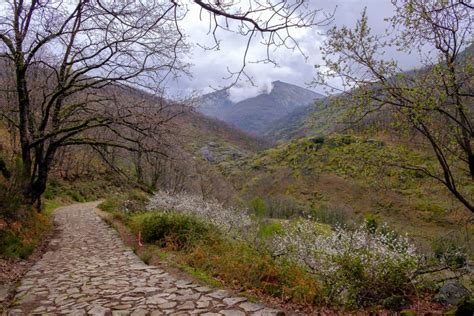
<point x="88" y="271"/>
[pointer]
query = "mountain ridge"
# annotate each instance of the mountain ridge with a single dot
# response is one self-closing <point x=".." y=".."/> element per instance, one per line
<point x="255" y="115"/>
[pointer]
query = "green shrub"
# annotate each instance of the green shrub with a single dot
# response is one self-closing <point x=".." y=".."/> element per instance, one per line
<point x="179" y="231"/>
<point x="12" y="203"/>
<point x="112" y="204"/>
<point x="126" y="203"/>
<point x="284" y="206"/>
<point x="12" y="246"/>
<point x="450" y="252"/>
<point x="335" y="216"/>
<point x="19" y="238"/>
<point x="395" y="302"/>
<point x="239" y="264"/>
<point x="268" y="230"/>
<point x="259" y="207"/>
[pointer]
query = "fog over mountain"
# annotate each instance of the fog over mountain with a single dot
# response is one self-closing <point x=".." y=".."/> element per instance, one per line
<point x="256" y="112"/>
<point x="210" y="68"/>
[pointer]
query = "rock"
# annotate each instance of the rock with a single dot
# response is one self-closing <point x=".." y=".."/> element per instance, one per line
<point x="269" y="312"/>
<point x="157" y="299"/>
<point x="3" y="294"/>
<point x="120" y="313"/>
<point x="219" y="294"/>
<point x="233" y="300"/>
<point x="167" y="305"/>
<point x="98" y="311"/>
<point x="250" y="307"/>
<point x="206" y="153"/>
<point x="203" y="289"/>
<point x="139" y="312"/>
<point x="203" y="304"/>
<point x="451" y="293"/>
<point x="232" y="312"/>
<point x="193" y="297"/>
<point x="186" y="306"/>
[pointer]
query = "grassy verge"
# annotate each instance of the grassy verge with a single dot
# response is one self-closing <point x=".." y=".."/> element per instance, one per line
<point x="298" y="263"/>
<point x="23" y="229"/>
<point x="20" y="237"/>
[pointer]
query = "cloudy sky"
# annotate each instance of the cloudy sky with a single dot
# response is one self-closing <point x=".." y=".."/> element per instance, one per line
<point x="209" y="68"/>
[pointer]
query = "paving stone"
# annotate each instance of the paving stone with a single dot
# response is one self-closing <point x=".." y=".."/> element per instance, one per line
<point x="219" y="294"/>
<point x="230" y="301"/>
<point x="120" y="313"/>
<point x="139" y="312"/>
<point x="89" y="271"/>
<point x="202" y="304"/>
<point x="269" y="312"/>
<point x="250" y="307"/>
<point x="186" y="306"/>
<point x="232" y="312"/>
<point x="203" y="289"/>
<point x="157" y="299"/>
<point x="167" y="305"/>
<point x="98" y="311"/>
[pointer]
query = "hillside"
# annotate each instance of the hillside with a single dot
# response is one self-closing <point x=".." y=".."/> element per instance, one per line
<point x="82" y="173"/>
<point x="344" y="179"/>
<point x="256" y="115"/>
<point x="316" y="119"/>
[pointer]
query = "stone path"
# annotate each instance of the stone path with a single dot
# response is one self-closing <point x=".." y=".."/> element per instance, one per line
<point x="88" y="271"/>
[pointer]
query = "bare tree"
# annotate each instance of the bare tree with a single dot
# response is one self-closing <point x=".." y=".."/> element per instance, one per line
<point x="434" y="102"/>
<point x="72" y="62"/>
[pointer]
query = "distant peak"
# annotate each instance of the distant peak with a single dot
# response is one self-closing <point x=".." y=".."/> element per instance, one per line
<point x="279" y="82"/>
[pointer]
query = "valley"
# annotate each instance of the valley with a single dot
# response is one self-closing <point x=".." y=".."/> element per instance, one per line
<point x="237" y="158"/>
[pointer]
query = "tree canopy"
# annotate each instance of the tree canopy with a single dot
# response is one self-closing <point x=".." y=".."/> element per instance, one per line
<point x="68" y="64"/>
<point x="433" y="103"/>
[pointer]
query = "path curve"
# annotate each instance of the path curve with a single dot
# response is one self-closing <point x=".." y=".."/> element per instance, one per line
<point x="89" y="271"/>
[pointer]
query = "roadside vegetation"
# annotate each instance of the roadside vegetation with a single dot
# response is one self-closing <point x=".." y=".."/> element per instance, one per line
<point x="23" y="227"/>
<point x="300" y="262"/>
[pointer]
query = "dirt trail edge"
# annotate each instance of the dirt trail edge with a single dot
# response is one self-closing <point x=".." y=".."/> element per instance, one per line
<point x="87" y="270"/>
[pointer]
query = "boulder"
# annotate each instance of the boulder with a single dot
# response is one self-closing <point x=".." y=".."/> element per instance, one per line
<point x="451" y="293"/>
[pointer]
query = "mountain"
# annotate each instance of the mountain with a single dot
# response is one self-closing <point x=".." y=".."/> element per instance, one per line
<point x="318" y="119"/>
<point x="257" y="114"/>
<point x="215" y="104"/>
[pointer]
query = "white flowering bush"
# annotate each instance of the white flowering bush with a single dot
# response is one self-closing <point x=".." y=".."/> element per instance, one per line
<point x="231" y="220"/>
<point x="358" y="267"/>
<point x="366" y="266"/>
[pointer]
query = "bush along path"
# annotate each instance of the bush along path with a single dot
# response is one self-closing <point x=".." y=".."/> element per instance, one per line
<point x="88" y="271"/>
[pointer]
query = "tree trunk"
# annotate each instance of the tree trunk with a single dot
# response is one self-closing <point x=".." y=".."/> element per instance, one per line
<point x="471" y="165"/>
<point x="24" y="105"/>
<point x="39" y="180"/>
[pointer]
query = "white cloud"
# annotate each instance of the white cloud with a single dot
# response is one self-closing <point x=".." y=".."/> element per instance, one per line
<point x="210" y="68"/>
<point x="246" y="90"/>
